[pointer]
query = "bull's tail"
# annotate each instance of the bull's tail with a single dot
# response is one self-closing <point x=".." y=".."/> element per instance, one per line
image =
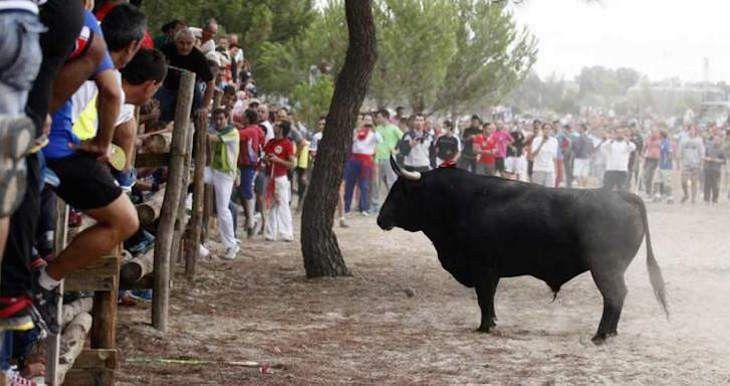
<point x="655" y="273"/>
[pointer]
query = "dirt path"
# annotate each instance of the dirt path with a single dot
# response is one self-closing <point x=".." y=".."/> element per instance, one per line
<point x="402" y="319"/>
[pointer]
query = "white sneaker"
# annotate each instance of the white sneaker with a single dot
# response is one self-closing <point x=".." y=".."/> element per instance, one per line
<point x="230" y="253"/>
<point x="203" y="251"/>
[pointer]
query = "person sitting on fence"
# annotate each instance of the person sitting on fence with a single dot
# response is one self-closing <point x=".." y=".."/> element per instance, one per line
<point x="279" y="160"/>
<point x="87" y="184"/>
<point x="183" y="54"/>
<point x="222" y="175"/>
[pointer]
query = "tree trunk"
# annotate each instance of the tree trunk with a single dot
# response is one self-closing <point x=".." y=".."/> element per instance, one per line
<point x="322" y="255"/>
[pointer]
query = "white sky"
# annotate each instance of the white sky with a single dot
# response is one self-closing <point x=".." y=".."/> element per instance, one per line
<point x="659" y="38"/>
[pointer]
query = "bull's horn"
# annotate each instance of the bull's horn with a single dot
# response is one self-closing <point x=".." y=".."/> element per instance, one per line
<point x="413" y="176"/>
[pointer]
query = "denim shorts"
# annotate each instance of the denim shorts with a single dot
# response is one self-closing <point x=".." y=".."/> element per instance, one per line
<point x="248" y="175"/>
<point x="20" y="58"/>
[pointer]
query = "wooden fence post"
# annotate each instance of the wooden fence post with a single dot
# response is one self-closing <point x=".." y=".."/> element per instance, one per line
<point x="168" y="213"/>
<point x="196" y="223"/>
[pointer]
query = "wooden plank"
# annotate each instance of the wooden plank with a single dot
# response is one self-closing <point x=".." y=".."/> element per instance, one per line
<point x="89" y="377"/>
<point x="53" y="343"/>
<point x="170" y="206"/>
<point x="97" y="359"/>
<point x="146" y="160"/>
<point x="104" y="330"/>
<point x="96" y="277"/>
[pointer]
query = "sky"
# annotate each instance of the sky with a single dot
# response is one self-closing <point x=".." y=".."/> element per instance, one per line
<point x="659" y="38"/>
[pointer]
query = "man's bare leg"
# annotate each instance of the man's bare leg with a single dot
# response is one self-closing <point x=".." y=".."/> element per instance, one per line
<point x="116" y="222"/>
<point x="125" y="137"/>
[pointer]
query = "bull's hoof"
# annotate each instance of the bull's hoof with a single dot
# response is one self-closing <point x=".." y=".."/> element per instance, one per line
<point x="486" y="328"/>
<point x="601" y="337"/>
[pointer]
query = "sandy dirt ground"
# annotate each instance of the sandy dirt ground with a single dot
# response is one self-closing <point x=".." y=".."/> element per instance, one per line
<point x="402" y="319"/>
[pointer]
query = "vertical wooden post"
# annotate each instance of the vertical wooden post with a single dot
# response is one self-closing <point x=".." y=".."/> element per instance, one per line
<point x="178" y="243"/>
<point x="103" y="332"/>
<point x="196" y="223"/>
<point x="168" y="213"/>
<point x="53" y="348"/>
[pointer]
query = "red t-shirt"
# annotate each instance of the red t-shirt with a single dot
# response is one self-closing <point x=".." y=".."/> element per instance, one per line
<point x="486" y="145"/>
<point x="147" y="42"/>
<point x="282" y="148"/>
<point x="252" y="140"/>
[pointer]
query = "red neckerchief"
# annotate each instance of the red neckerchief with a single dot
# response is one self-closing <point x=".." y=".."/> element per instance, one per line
<point x="448" y="164"/>
<point x="362" y="134"/>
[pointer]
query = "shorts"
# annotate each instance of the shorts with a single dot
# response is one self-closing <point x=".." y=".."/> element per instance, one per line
<point x="515" y="165"/>
<point x="499" y="164"/>
<point x="85" y="183"/>
<point x="259" y="186"/>
<point x="546" y="179"/>
<point x="20" y="58"/>
<point x="581" y="167"/>
<point x="248" y="176"/>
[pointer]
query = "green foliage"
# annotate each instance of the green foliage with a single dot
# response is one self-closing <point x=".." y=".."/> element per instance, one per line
<point x="256" y="22"/>
<point x="312" y="100"/>
<point x="435" y="55"/>
<point x="493" y="56"/>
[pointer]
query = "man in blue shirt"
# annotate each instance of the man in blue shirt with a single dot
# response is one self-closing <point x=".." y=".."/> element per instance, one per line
<point x="85" y="183"/>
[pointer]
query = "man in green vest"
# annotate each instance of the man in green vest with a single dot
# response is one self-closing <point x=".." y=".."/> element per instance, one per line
<point x="222" y="175"/>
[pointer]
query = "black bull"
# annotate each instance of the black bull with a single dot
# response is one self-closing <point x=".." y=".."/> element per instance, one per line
<point x="486" y="228"/>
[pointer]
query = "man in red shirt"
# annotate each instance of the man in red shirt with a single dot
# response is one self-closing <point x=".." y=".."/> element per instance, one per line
<point x="280" y="159"/>
<point x="485" y="147"/>
<point x="252" y="140"/>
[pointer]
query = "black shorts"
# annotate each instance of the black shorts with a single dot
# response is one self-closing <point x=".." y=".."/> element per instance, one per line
<point x="85" y="183"/>
<point x="499" y="164"/>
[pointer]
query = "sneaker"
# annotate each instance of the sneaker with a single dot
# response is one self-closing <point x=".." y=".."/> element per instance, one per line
<point x="126" y="179"/>
<point x="45" y="306"/>
<point x="230" y="253"/>
<point x="144" y="296"/>
<point x="15" y="314"/>
<point x="365" y="213"/>
<point x="203" y="252"/>
<point x="140" y="243"/>
<point x="250" y="232"/>
<point x="343" y="223"/>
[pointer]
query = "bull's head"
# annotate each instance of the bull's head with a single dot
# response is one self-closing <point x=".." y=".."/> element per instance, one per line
<point x="403" y="207"/>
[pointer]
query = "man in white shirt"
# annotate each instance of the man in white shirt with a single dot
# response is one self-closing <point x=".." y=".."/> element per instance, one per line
<point x="544" y="152"/>
<point x="417" y="159"/>
<point x="360" y="166"/>
<point x="617" y="152"/>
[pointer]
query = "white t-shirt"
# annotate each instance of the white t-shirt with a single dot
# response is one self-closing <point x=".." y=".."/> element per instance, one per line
<point x="617" y="154"/>
<point x="84" y="112"/>
<point x="269" y="130"/>
<point x="367" y="145"/>
<point x="419" y="155"/>
<point x="315" y="142"/>
<point x="545" y="160"/>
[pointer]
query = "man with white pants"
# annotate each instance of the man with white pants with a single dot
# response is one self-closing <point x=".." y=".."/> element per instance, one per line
<point x="222" y="175"/>
<point x="280" y="158"/>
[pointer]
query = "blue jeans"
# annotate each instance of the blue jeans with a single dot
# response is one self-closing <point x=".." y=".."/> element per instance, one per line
<point x="168" y="101"/>
<point x="356" y="172"/>
<point x="20" y="58"/>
